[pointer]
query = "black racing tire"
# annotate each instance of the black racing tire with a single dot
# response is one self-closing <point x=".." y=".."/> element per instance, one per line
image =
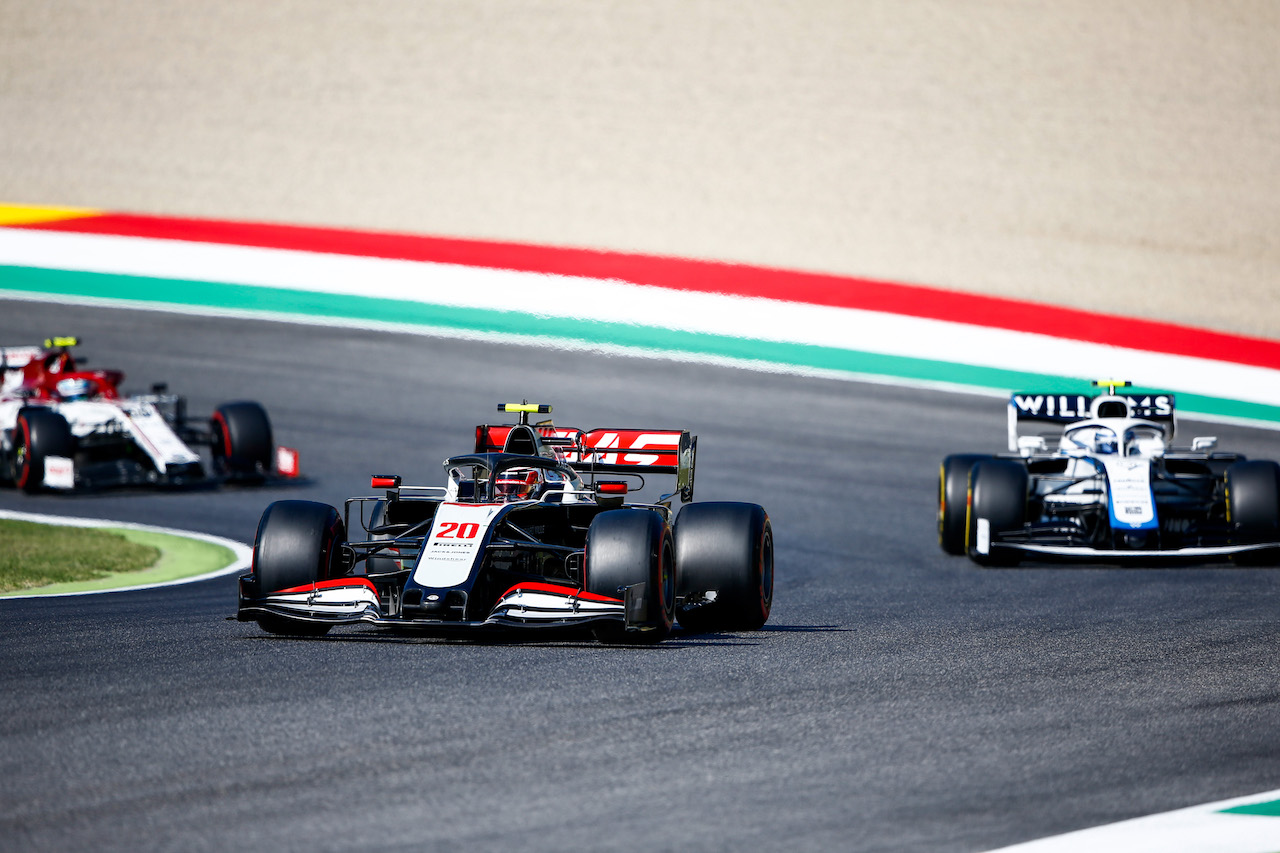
<point x="298" y="543"/>
<point x="38" y="434"/>
<point x="242" y="445"/>
<point x="725" y="547"/>
<point x="626" y="547"/>
<point x="998" y="493"/>
<point x="1253" y="509"/>
<point x="953" y="499"/>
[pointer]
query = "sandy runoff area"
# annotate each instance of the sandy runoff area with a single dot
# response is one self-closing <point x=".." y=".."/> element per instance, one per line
<point x="1120" y="157"/>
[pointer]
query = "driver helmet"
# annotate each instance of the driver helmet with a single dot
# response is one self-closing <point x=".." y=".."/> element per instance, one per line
<point x="76" y="389"/>
<point x="516" y="484"/>
<point x="1105" y="441"/>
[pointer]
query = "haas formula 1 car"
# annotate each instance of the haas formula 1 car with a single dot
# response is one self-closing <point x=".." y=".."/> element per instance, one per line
<point x="62" y="427"/>
<point x="524" y="534"/>
<point x="1099" y="479"/>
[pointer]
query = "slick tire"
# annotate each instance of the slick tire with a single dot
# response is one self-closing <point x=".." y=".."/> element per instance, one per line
<point x="998" y="497"/>
<point x="1253" y="509"/>
<point x="298" y="543"/>
<point x="626" y="547"/>
<point x="38" y="434"/>
<point x="725" y="548"/>
<point x="242" y="442"/>
<point x="953" y="498"/>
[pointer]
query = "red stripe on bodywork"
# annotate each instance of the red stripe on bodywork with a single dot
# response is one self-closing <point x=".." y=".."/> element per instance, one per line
<point x="333" y="584"/>
<point x="567" y="591"/>
<point x="706" y="277"/>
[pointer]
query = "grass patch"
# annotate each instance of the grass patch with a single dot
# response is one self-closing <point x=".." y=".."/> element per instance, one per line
<point x="179" y="557"/>
<point x="36" y="555"/>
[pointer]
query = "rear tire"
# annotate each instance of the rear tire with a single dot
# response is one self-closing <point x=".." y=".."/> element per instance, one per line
<point x="727" y="548"/>
<point x="242" y="442"/>
<point x="1253" y="507"/>
<point x="298" y="544"/>
<point x="953" y="498"/>
<point x="998" y="495"/>
<point x="626" y="547"/>
<point x="38" y="434"/>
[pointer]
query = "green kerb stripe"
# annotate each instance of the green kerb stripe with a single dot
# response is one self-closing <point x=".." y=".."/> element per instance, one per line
<point x="365" y="309"/>
<point x="1270" y="809"/>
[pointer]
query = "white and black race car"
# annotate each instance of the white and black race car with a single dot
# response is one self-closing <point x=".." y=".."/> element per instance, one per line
<point x="1099" y="479"/>
<point x="523" y="535"/>
<point x="64" y="428"/>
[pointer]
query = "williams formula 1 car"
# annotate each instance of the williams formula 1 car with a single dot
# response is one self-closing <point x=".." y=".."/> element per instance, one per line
<point x="1099" y="479"/>
<point x="526" y="533"/>
<point x="63" y="428"/>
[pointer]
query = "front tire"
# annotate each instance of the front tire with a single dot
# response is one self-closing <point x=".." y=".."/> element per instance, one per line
<point x="298" y="544"/>
<point x="38" y="434"/>
<point x="1253" y="508"/>
<point x="626" y="547"/>
<point x="725" y="548"/>
<point x="953" y="499"/>
<point x="242" y="442"/>
<point x="998" y="499"/>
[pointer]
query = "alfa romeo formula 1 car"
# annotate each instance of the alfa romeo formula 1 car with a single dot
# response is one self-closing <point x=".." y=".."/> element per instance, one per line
<point x="1098" y="478"/>
<point x="525" y="533"/>
<point x="63" y="428"/>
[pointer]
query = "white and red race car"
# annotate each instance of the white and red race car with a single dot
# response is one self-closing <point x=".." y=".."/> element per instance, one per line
<point x="64" y="428"/>
<point x="524" y="534"/>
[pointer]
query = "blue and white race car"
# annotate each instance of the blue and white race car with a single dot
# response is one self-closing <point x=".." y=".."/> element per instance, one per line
<point x="1099" y="479"/>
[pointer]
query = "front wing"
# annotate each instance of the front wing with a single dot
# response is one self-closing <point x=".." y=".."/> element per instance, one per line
<point x="1081" y="553"/>
<point x="348" y="601"/>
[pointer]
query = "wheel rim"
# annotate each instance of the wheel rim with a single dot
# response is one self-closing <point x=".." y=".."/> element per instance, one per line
<point x="766" y="572"/>
<point x="667" y="578"/>
<point x="221" y="444"/>
<point x="942" y="503"/>
<point x="21" y="456"/>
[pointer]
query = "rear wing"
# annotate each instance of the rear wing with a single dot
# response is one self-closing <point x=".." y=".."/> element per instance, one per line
<point x="601" y="451"/>
<point x="14" y="360"/>
<point x="1051" y="412"/>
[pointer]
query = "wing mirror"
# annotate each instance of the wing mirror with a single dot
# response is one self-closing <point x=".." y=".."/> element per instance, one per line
<point x="1029" y="444"/>
<point x="610" y="492"/>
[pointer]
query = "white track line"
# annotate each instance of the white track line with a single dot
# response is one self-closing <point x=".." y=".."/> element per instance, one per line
<point x="1198" y="829"/>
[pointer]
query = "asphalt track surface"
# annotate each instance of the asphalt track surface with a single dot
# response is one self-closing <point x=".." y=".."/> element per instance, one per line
<point x="898" y="699"/>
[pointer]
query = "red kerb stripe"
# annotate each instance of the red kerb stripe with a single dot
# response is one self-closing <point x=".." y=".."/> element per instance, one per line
<point x="706" y="277"/>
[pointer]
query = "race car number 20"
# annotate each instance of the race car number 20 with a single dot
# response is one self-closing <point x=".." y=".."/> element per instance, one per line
<point x="458" y="530"/>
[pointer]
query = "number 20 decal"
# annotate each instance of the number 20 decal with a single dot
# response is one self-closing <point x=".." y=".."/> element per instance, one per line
<point x="458" y="530"/>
